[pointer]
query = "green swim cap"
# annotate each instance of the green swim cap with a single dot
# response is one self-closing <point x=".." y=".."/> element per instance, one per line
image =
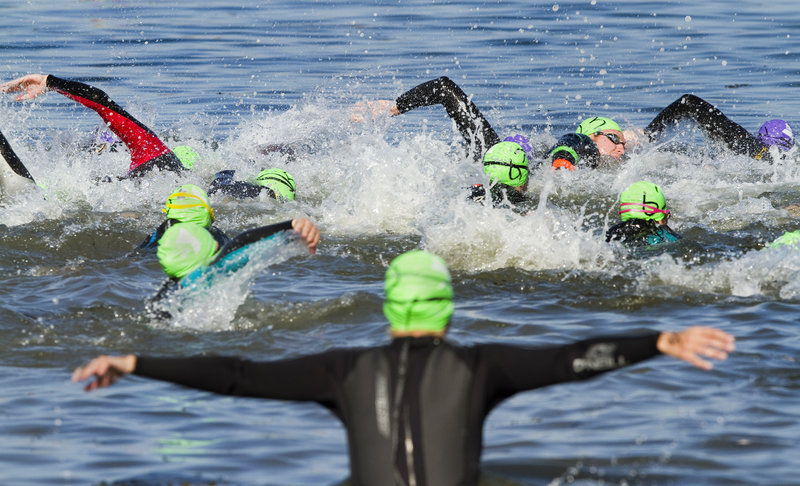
<point x="280" y="181"/>
<point x="790" y="238"/>
<point x="506" y="163"/>
<point x="186" y="155"/>
<point x="189" y="204"/>
<point x="642" y="200"/>
<point x="590" y="126"/>
<point x="419" y="296"/>
<point x="184" y="247"/>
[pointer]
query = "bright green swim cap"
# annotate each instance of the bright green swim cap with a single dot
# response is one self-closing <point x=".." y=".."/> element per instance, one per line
<point x="590" y="126"/>
<point x="280" y="181"/>
<point x="184" y="247"/>
<point x="642" y="200"/>
<point x="419" y="296"/>
<point x="506" y="163"/>
<point x="189" y="204"/>
<point x="186" y="155"/>
<point x="790" y="238"/>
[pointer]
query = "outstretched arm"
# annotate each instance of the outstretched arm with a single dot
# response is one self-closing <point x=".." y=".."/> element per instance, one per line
<point x="30" y="85"/>
<point x="106" y="370"/>
<point x="693" y="343"/>
<point x="12" y="159"/>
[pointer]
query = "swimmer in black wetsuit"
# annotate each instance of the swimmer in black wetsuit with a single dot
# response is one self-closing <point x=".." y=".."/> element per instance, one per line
<point x="507" y="167"/>
<point x="147" y="151"/>
<point x="596" y="136"/>
<point x="187" y="204"/>
<point x="719" y="127"/>
<point x="644" y="214"/>
<point x="414" y="409"/>
<point x="274" y="183"/>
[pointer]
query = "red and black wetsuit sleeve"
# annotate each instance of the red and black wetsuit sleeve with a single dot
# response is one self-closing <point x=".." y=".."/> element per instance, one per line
<point x="713" y="122"/>
<point x="147" y="150"/>
<point x="473" y="126"/>
<point x="12" y="159"/>
<point x="507" y="370"/>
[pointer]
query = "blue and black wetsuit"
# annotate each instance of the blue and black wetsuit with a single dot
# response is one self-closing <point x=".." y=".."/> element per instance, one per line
<point x="577" y="149"/>
<point x="225" y="184"/>
<point x="414" y="409"/>
<point x="714" y="123"/>
<point x="641" y="232"/>
<point x="147" y="151"/>
<point x="151" y="242"/>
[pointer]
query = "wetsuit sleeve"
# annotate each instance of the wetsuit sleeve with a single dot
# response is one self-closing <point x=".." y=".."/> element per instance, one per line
<point x="12" y="159"/>
<point x="576" y="149"/>
<point x="310" y="378"/>
<point x="713" y="122"/>
<point x="473" y="126"/>
<point x="251" y="236"/>
<point x="142" y="143"/>
<point x="511" y="369"/>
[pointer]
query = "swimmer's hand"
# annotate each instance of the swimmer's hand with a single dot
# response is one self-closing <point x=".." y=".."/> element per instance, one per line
<point x="375" y="109"/>
<point x="634" y="138"/>
<point x="307" y="231"/>
<point x="105" y="369"/>
<point x="32" y="85"/>
<point x="694" y="342"/>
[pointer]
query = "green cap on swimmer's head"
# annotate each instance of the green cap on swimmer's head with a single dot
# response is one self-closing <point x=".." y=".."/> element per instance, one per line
<point x="279" y="181"/>
<point x="189" y="204"/>
<point x="184" y="247"/>
<point x="506" y="163"/>
<point x="590" y="126"/>
<point x="186" y="155"/>
<point x="790" y="238"/>
<point x="642" y="200"/>
<point x="419" y="296"/>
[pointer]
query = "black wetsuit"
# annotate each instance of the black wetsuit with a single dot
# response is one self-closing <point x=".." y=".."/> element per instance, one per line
<point x="223" y="183"/>
<point x="577" y="149"/>
<point x="414" y="409"/>
<point x="713" y="122"/>
<point x="12" y="159"/>
<point x="151" y="242"/>
<point x="502" y="195"/>
<point x="641" y="232"/>
<point x="147" y="151"/>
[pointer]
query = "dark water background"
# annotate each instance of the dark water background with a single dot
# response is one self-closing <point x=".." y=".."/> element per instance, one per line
<point x="228" y="77"/>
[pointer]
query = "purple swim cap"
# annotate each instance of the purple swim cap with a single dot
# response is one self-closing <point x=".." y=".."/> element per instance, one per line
<point x="777" y="132"/>
<point x="523" y="142"/>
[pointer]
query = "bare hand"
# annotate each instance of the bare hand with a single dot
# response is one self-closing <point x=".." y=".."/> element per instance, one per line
<point x="308" y="231"/>
<point x="105" y="369"/>
<point x="375" y="108"/>
<point x="694" y="342"/>
<point x="32" y="84"/>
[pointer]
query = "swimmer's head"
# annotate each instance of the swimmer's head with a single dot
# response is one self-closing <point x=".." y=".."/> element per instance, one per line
<point x="419" y="295"/>
<point x="778" y="133"/>
<point x="280" y="182"/>
<point x="186" y="155"/>
<point x="523" y="142"/>
<point x="189" y="204"/>
<point x="789" y="238"/>
<point x="184" y="247"/>
<point x="506" y="163"/>
<point x="595" y="124"/>
<point x="642" y="200"/>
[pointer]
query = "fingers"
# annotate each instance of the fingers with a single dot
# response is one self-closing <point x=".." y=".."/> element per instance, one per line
<point x="105" y="369"/>
<point x="32" y="85"/>
<point x="696" y="343"/>
<point x="308" y="231"/>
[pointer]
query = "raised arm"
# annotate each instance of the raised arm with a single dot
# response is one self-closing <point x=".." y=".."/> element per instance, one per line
<point x="12" y="159"/>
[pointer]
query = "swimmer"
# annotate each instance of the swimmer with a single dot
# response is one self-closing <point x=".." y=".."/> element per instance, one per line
<point x="187" y="204"/>
<point x="414" y="409"/>
<point x="644" y="215"/>
<point x="507" y="167"/>
<point x="147" y="151"/>
<point x="774" y="133"/>
<point x="596" y="137"/>
<point x="274" y="183"/>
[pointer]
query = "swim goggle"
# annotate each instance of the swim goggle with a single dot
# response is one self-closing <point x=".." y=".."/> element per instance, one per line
<point x="646" y="208"/>
<point x="200" y="203"/>
<point x="613" y="137"/>
<point x="511" y="168"/>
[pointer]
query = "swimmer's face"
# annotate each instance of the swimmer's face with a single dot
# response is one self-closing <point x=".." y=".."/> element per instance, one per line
<point x="610" y="142"/>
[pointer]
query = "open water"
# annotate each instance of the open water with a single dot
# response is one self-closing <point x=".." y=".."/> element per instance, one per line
<point x="227" y="77"/>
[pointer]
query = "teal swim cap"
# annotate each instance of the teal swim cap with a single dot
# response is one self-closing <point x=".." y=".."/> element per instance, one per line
<point x="189" y="204"/>
<point x="642" y="200"/>
<point x="506" y="163"/>
<point x="790" y="238"/>
<point x="590" y="126"/>
<point x="186" y="155"/>
<point x="419" y="296"/>
<point x="279" y="181"/>
<point x="184" y="247"/>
